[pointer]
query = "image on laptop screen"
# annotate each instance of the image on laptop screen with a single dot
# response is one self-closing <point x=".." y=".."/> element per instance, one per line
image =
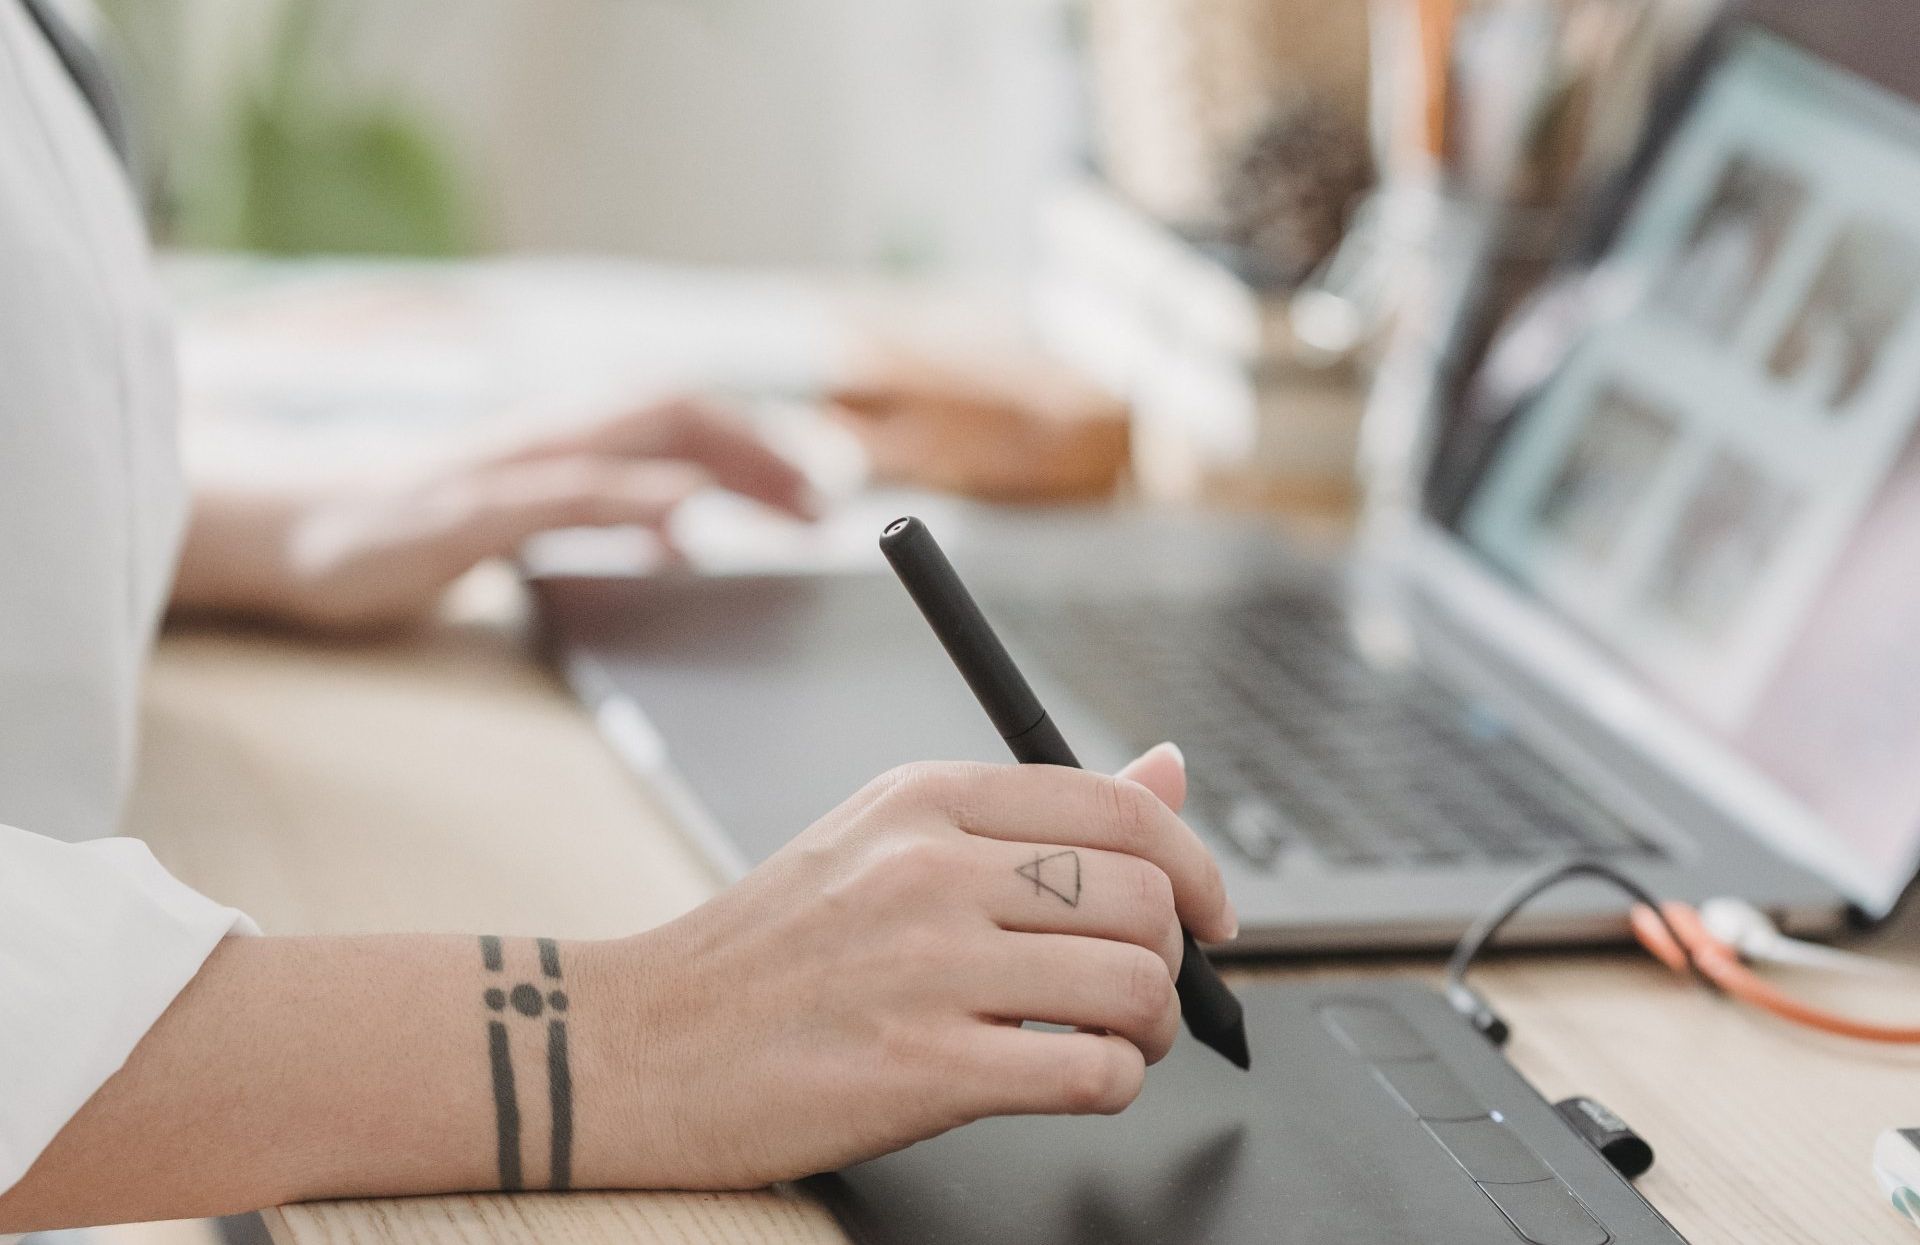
<point x="1720" y="483"/>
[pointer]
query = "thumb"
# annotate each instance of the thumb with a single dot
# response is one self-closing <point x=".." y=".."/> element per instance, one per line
<point x="1162" y="770"/>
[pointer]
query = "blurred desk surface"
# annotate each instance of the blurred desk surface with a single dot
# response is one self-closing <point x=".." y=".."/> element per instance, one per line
<point x="446" y="781"/>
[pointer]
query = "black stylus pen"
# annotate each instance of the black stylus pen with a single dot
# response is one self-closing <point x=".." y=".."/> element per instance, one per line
<point x="1211" y="1011"/>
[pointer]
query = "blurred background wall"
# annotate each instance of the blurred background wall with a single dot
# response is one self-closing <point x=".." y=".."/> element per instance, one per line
<point x="897" y="133"/>
<point x="1139" y="185"/>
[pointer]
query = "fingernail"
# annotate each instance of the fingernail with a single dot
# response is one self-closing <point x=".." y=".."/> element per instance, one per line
<point x="1174" y="748"/>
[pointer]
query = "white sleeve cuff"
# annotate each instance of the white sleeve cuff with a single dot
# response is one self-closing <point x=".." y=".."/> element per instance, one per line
<point x="96" y="940"/>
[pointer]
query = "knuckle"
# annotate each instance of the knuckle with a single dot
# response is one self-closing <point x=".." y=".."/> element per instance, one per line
<point x="920" y="783"/>
<point x="1163" y="1001"/>
<point x="1104" y="1082"/>
<point x="911" y="1047"/>
<point x="1129" y="811"/>
<point x="1174" y="950"/>
<point x="914" y="867"/>
<point x="1149" y="993"/>
<point x="1161" y="1045"/>
<point x="882" y="787"/>
<point x="1153" y="896"/>
<point x="950" y="789"/>
<point x="899" y="795"/>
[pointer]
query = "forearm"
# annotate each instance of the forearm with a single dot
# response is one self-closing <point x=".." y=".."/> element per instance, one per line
<point x="293" y="1069"/>
<point x="235" y="556"/>
<point x="860" y="991"/>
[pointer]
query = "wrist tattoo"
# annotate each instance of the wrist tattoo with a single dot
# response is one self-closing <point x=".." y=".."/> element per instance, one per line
<point x="1057" y="874"/>
<point x="531" y="1002"/>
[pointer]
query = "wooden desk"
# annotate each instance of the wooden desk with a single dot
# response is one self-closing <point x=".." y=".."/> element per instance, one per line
<point x="446" y="782"/>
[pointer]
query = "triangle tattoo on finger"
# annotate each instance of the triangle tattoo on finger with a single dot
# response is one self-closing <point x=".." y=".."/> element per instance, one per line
<point x="1058" y="875"/>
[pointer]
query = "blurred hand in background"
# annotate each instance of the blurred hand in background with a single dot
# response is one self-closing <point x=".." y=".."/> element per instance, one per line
<point x="1006" y="425"/>
<point x="361" y="558"/>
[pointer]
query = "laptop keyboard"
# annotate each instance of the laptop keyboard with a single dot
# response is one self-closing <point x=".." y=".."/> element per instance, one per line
<point x="1295" y="743"/>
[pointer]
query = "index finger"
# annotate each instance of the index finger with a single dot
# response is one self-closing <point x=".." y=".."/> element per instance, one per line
<point x="729" y="449"/>
<point x="697" y="432"/>
<point x="1074" y="808"/>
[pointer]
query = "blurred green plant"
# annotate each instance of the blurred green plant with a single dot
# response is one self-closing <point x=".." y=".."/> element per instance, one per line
<point x="298" y="164"/>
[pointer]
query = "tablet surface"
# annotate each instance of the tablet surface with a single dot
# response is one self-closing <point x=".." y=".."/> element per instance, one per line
<point x="1372" y="1115"/>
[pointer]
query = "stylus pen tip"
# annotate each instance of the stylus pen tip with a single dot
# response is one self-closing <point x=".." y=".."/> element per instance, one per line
<point x="1208" y="1005"/>
<point x="1221" y="1026"/>
<point x="1233" y="1045"/>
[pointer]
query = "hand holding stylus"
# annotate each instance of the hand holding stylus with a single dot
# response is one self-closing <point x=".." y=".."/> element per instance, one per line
<point x="1212" y="1012"/>
<point x="864" y="988"/>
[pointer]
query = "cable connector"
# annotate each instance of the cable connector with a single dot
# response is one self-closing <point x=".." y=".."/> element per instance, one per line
<point x="1478" y="1013"/>
<point x="1468" y="1002"/>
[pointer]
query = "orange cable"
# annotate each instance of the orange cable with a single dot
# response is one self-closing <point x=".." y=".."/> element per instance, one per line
<point x="1437" y="19"/>
<point x="1721" y="965"/>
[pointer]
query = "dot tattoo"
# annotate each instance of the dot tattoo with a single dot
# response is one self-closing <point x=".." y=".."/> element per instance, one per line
<point x="528" y="1000"/>
<point x="1056" y="874"/>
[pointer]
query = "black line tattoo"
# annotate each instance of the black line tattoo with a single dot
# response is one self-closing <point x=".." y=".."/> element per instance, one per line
<point x="506" y="1107"/>
<point x="526" y="999"/>
<point x="560" y="1097"/>
<point x="1057" y="874"/>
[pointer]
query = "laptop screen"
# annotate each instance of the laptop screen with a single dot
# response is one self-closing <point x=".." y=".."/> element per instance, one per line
<point x="1699" y="446"/>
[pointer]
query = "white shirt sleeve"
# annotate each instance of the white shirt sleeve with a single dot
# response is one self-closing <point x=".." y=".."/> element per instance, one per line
<point x="96" y="939"/>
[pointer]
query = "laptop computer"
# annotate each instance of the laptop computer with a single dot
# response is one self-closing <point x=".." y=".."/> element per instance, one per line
<point x="1655" y="604"/>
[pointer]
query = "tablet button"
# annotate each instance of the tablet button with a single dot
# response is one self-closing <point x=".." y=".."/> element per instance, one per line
<point x="1547" y="1213"/>
<point x="1489" y="1151"/>
<point x="1372" y="1031"/>
<point x="1430" y="1090"/>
